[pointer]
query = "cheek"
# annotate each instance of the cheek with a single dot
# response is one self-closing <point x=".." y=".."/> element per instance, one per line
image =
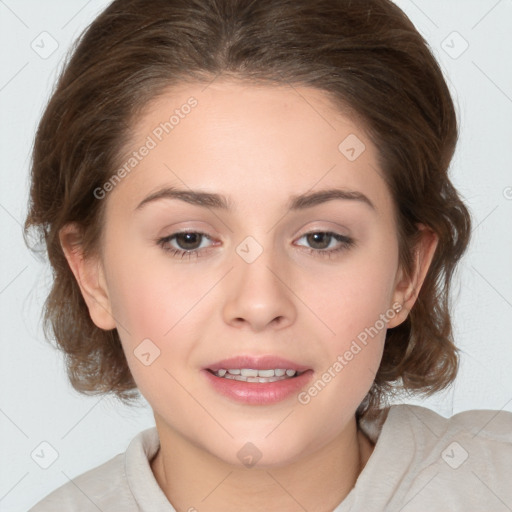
<point x="355" y="309"/>
<point x="148" y="292"/>
<point x="138" y="305"/>
<point x="352" y="298"/>
<point x="147" y="307"/>
<point x="156" y="304"/>
<point x="354" y="306"/>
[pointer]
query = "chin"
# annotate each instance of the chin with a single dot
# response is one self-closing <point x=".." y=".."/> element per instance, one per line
<point x="257" y="452"/>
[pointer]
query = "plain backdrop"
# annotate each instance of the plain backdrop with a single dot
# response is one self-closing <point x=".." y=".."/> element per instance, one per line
<point x="472" y="39"/>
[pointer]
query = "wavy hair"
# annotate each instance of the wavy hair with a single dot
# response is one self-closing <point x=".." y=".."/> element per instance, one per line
<point x="366" y="56"/>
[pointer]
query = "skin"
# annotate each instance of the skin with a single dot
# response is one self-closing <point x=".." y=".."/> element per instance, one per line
<point x="258" y="145"/>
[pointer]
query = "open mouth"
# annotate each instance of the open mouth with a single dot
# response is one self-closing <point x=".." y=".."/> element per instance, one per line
<point x="252" y="375"/>
<point x="264" y="386"/>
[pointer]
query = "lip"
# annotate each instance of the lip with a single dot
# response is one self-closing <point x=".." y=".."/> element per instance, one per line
<point x="258" y="393"/>
<point x="267" y="362"/>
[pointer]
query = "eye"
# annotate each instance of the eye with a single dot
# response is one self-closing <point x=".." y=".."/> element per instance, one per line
<point x="189" y="243"/>
<point x="325" y="239"/>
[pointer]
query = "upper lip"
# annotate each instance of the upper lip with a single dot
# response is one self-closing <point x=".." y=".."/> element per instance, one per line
<point x="267" y="362"/>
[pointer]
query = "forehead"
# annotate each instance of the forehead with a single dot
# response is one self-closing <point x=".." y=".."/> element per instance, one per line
<point x="249" y="142"/>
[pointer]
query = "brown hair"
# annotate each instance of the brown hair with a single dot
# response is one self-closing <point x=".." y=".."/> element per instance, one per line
<point x="366" y="55"/>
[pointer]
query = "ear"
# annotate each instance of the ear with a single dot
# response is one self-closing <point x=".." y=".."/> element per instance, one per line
<point x="90" y="277"/>
<point x="407" y="289"/>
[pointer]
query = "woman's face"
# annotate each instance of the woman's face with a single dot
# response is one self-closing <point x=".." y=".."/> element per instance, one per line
<point x="280" y="271"/>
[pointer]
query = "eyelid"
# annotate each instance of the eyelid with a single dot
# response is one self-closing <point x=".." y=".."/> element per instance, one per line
<point x="333" y="234"/>
<point x="184" y="232"/>
<point x="163" y="241"/>
<point x="344" y="243"/>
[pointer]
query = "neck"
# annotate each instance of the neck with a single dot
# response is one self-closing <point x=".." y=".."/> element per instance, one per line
<point x="194" y="479"/>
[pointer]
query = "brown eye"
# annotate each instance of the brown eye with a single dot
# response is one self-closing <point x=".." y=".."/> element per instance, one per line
<point x="188" y="241"/>
<point x="184" y="244"/>
<point x="320" y="241"/>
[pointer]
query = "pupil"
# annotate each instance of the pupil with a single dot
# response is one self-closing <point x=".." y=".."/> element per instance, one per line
<point x="320" y="236"/>
<point x="187" y="237"/>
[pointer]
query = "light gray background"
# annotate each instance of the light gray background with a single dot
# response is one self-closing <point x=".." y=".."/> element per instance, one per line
<point x="37" y="404"/>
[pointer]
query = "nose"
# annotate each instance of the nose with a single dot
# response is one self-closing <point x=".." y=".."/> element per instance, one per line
<point x="259" y="295"/>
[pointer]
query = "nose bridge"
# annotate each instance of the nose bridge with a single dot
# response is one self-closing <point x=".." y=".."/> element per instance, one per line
<point x="259" y="292"/>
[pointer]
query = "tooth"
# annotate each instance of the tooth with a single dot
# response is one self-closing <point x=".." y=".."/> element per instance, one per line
<point x="265" y="373"/>
<point x="252" y="375"/>
<point x="246" y="372"/>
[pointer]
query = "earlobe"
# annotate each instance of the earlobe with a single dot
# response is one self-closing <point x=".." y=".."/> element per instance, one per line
<point x="88" y="272"/>
<point x="408" y="289"/>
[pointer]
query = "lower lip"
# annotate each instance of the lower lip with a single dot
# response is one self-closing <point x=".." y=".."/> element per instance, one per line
<point x="258" y="393"/>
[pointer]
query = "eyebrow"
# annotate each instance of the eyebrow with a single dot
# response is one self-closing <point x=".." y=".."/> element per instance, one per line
<point x="217" y="201"/>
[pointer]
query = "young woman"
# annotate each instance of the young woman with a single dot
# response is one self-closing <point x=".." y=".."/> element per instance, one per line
<point x="248" y="213"/>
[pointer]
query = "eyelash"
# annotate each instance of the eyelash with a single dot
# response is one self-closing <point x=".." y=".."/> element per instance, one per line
<point x="346" y="243"/>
